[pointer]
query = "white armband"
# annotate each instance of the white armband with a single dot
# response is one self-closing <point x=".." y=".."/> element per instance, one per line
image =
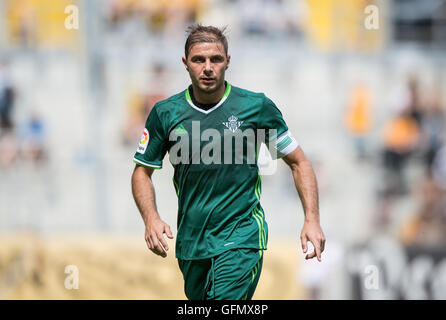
<point x="283" y="145"/>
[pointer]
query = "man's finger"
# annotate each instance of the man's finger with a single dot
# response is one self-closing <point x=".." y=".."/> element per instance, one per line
<point x="304" y="241"/>
<point x="317" y="249"/>
<point x="156" y="244"/>
<point x="168" y="232"/>
<point x="154" y="240"/>
<point x="310" y="255"/>
<point x="163" y="241"/>
<point x="149" y="241"/>
<point x="160" y="247"/>
<point x="159" y="251"/>
<point x="156" y="252"/>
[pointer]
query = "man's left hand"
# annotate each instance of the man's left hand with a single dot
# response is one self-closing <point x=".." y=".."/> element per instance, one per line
<point x="312" y="232"/>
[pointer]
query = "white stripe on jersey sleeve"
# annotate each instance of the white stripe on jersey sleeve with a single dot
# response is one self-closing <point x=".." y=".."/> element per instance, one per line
<point x="284" y="145"/>
<point x="146" y="164"/>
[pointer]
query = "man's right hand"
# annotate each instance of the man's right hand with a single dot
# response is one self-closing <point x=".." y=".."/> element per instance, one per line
<point x="154" y="236"/>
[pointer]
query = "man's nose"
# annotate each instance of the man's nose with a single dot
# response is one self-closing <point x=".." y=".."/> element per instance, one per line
<point x="208" y="67"/>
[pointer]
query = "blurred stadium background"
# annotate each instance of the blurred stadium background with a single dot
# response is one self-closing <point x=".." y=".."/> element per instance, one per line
<point x="366" y="104"/>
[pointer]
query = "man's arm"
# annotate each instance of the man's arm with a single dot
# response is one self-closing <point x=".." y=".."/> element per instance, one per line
<point x="306" y="185"/>
<point x="144" y="195"/>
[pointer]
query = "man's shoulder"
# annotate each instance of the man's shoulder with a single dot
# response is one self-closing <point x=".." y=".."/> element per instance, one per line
<point x="248" y="94"/>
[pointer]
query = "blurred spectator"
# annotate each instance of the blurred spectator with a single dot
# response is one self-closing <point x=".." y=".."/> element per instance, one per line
<point x="34" y="137"/>
<point x="416" y="109"/>
<point x="399" y="97"/>
<point x="358" y="118"/>
<point x="433" y="129"/>
<point x="401" y="136"/>
<point x="439" y="167"/>
<point x="8" y="140"/>
<point x="407" y="96"/>
<point x="428" y="226"/>
<point x="6" y="98"/>
<point x="385" y="205"/>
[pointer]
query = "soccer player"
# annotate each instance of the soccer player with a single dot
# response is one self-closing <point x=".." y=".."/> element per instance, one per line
<point x="222" y="231"/>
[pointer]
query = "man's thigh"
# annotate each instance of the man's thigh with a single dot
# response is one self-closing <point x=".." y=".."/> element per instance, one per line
<point x="235" y="274"/>
<point x="232" y="275"/>
<point x="196" y="274"/>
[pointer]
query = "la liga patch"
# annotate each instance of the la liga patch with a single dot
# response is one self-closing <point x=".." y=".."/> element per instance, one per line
<point x="143" y="142"/>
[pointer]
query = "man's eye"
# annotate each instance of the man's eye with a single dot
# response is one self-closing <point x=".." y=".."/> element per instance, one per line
<point x="217" y="59"/>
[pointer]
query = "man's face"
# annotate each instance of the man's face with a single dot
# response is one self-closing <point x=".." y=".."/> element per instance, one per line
<point x="206" y="64"/>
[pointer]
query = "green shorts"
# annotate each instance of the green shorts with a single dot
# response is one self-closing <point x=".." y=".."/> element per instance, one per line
<point x="232" y="275"/>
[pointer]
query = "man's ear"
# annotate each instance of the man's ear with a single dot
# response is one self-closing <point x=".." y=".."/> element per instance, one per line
<point x="229" y="60"/>
<point x="185" y="62"/>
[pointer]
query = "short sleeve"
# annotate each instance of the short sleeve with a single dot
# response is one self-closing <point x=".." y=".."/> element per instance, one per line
<point x="278" y="138"/>
<point x="270" y="118"/>
<point x="152" y="145"/>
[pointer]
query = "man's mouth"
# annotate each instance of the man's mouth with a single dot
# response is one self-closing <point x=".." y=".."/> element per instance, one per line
<point x="208" y="79"/>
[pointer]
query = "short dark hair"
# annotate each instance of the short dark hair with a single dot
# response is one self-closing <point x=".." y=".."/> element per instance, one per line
<point x="199" y="33"/>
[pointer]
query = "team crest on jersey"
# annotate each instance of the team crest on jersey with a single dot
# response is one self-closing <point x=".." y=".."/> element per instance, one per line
<point x="143" y="142"/>
<point x="233" y="124"/>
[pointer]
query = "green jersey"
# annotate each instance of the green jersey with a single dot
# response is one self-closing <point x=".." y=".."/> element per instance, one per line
<point x="216" y="177"/>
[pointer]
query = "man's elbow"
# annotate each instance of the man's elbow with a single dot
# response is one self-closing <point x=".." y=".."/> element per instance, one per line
<point x="297" y="160"/>
<point x="300" y="166"/>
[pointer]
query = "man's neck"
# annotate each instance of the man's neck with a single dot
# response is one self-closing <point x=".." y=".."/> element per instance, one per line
<point x="209" y="98"/>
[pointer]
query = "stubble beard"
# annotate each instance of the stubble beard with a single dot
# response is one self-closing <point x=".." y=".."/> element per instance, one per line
<point x="211" y="90"/>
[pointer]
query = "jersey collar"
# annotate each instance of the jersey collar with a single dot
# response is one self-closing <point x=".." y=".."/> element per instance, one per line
<point x="223" y="99"/>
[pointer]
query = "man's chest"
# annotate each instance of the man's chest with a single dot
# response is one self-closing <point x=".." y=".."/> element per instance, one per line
<point x="227" y="134"/>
